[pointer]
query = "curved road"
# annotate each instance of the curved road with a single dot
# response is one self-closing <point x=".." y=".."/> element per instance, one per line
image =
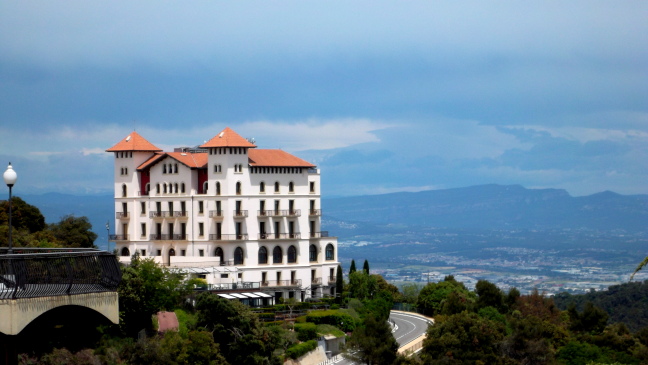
<point x="407" y="327"/>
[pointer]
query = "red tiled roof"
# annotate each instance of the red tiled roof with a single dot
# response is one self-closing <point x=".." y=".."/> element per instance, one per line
<point x="134" y="142"/>
<point x="167" y="321"/>
<point x="191" y="160"/>
<point x="228" y="138"/>
<point x="275" y="158"/>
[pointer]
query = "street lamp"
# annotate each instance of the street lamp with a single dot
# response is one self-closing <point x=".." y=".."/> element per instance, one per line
<point x="10" y="178"/>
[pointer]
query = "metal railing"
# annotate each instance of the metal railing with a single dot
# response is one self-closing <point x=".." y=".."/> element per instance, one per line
<point x="159" y="214"/>
<point x="332" y="280"/>
<point x="279" y="213"/>
<point x="216" y="214"/>
<point x="179" y="214"/>
<point x="118" y="237"/>
<point x="228" y="237"/>
<point x="32" y="273"/>
<point x="275" y="283"/>
<point x="168" y="237"/>
<point x="316" y="281"/>
<point x="319" y="234"/>
<point x="120" y="215"/>
<point x="240" y="213"/>
<point x="279" y="236"/>
<point x="232" y="286"/>
<point x="314" y="212"/>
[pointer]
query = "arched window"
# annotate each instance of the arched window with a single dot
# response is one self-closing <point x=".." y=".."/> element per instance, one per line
<point x="165" y="188"/>
<point x="176" y="188"/>
<point x="291" y="187"/>
<point x="238" y="188"/>
<point x="262" y="187"/>
<point x="175" y="168"/>
<point x="164" y="169"/>
<point x="218" y="188"/>
<point x="276" y="186"/>
<point x="125" y="251"/>
<point x="312" y="253"/>
<point x="238" y="256"/>
<point x="330" y="252"/>
<point x="263" y="255"/>
<point x="182" y="188"/>
<point x="219" y="254"/>
<point x="124" y="190"/>
<point x="148" y="188"/>
<point x="292" y="255"/>
<point x="277" y="255"/>
<point x="205" y="187"/>
<point x="157" y="188"/>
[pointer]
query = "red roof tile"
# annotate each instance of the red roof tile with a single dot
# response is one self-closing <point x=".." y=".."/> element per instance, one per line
<point x="134" y="142"/>
<point x="228" y="138"/>
<point x="275" y="158"/>
<point x="191" y="160"/>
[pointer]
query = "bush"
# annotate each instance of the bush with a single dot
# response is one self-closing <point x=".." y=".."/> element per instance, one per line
<point x="306" y="331"/>
<point x="301" y="349"/>
<point x="335" y="318"/>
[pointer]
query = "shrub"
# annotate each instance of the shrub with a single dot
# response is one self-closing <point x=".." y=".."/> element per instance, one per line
<point x="335" y="318"/>
<point x="301" y="349"/>
<point x="306" y="331"/>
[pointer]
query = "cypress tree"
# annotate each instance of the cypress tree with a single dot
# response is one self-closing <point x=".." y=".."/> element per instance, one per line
<point x="365" y="267"/>
<point x="339" y="282"/>
<point x="352" y="269"/>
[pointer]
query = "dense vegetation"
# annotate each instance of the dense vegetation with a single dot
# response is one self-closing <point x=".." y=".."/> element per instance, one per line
<point x="30" y="229"/>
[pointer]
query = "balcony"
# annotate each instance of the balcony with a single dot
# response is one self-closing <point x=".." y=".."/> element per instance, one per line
<point x="245" y="285"/>
<point x="316" y="281"/>
<point x="279" y="213"/>
<point x="179" y="214"/>
<point x="279" y="236"/>
<point x="159" y="214"/>
<point x="216" y="214"/>
<point x="118" y="237"/>
<point x="240" y="214"/>
<point x="228" y="237"/>
<point x="168" y="237"/>
<point x="321" y="234"/>
<point x="332" y="280"/>
<point x="121" y="215"/>
<point x="315" y="212"/>
<point x="281" y="283"/>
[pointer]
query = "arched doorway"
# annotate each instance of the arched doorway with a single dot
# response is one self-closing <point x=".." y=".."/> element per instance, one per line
<point x="171" y="253"/>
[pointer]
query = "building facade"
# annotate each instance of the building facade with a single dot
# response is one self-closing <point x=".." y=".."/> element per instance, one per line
<point x="240" y="217"/>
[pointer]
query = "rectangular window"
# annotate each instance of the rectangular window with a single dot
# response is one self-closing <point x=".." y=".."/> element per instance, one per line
<point x="201" y="207"/>
<point x="201" y="229"/>
<point x="240" y="275"/>
<point x="159" y="253"/>
<point x="201" y="253"/>
<point x="143" y="229"/>
<point x="143" y="207"/>
<point x="183" y="252"/>
<point x="224" y="276"/>
<point x="143" y="252"/>
<point x="312" y="186"/>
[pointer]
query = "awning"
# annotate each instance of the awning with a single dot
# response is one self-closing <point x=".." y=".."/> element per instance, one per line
<point x="226" y="296"/>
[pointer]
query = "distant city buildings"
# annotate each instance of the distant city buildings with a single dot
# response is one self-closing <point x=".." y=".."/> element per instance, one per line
<point x="246" y="220"/>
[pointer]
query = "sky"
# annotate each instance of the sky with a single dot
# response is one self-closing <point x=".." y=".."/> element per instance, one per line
<point x="383" y="96"/>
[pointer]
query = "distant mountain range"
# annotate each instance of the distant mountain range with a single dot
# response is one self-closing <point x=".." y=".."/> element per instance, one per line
<point x="482" y="207"/>
<point x="496" y="207"/>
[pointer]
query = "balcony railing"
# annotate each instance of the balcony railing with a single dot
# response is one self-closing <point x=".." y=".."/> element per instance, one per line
<point x="275" y="283"/>
<point x="159" y="214"/>
<point x="32" y="273"/>
<point x="316" y="281"/>
<point x="168" y="237"/>
<point x="319" y="234"/>
<point x="240" y="213"/>
<point x="332" y="280"/>
<point x="314" y="212"/>
<point x="279" y="213"/>
<point x="179" y="214"/>
<point x="228" y="237"/>
<point x="216" y="214"/>
<point x="118" y="237"/>
<point x="279" y="236"/>
<point x="121" y="215"/>
<point x="245" y="285"/>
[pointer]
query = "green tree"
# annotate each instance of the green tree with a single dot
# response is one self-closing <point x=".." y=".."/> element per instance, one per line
<point x="361" y="285"/>
<point x="411" y="292"/>
<point x="339" y="282"/>
<point x="463" y="338"/>
<point x="489" y="295"/>
<point x="73" y="231"/>
<point x="352" y="269"/>
<point x="433" y="295"/>
<point x="147" y="288"/>
<point x="23" y="215"/>
<point x="372" y="343"/>
<point x="365" y="267"/>
<point x="592" y="319"/>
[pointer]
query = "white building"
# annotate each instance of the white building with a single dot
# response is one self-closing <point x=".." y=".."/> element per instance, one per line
<point x="242" y="218"/>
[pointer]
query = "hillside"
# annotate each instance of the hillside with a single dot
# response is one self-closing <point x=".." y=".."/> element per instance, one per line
<point x="496" y="207"/>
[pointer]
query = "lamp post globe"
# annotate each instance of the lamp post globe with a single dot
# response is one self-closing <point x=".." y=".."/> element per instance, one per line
<point x="10" y="178"/>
